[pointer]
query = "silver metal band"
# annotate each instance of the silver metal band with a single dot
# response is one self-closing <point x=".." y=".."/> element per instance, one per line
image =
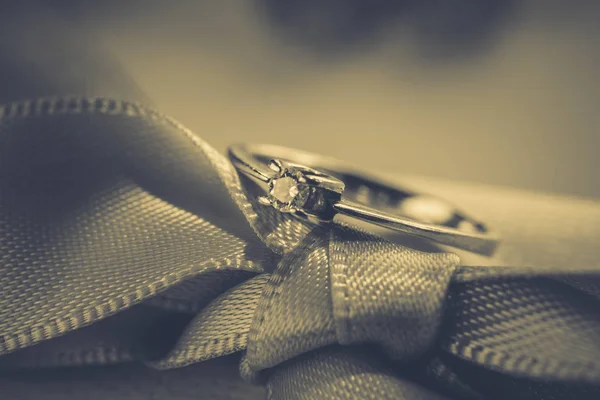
<point x="318" y="188"/>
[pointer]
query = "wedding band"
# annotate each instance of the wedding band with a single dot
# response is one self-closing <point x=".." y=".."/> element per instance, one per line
<point x="317" y="188"/>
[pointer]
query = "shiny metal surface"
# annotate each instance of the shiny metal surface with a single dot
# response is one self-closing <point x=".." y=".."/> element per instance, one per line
<point x="358" y="194"/>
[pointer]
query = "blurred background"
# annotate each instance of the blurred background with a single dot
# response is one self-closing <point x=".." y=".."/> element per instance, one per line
<point x="501" y="92"/>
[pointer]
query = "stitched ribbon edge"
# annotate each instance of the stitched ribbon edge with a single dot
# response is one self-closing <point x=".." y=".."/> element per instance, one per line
<point x="76" y="105"/>
<point x="82" y="105"/>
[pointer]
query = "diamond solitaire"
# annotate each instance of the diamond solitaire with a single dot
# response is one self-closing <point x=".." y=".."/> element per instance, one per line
<point x="288" y="191"/>
<point x="312" y="187"/>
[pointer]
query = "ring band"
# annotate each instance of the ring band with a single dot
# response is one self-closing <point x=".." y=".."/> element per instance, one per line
<point x="318" y="188"/>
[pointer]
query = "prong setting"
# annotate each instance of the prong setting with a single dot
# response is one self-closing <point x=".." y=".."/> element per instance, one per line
<point x="301" y="190"/>
<point x="323" y="196"/>
<point x="264" y="200"/>
<point x="276" y="165"/>
<point x="300" y="177"/>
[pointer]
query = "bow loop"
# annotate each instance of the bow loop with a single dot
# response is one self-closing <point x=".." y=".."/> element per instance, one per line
<point x="345" y="286"/>
<point x="147" y="209"/>
<point x="386" y="293"/>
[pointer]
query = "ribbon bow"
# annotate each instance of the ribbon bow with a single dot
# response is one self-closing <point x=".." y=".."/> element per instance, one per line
<point x="124" y="236"/>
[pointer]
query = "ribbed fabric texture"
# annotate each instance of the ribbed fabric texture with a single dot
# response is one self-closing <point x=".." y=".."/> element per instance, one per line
<point x="124" y="237"/>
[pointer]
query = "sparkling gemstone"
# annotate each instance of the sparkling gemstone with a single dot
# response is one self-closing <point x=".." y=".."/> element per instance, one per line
<point x="285" y="189"/>
<point x="286" y="192"/>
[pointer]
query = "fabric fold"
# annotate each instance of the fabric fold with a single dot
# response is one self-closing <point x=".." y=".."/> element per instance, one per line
<point x="81" y="237"/>
<point x="295" y="313"/>
<point x="387" y="294"/>
<point x="106" y="204"/>
<point x="219" y="329"/>
<point x="538" y="328"/>
<point x="342" y="374"/>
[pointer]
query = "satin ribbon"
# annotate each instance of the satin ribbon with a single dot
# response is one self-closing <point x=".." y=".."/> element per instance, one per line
<point x="115" y="218"/>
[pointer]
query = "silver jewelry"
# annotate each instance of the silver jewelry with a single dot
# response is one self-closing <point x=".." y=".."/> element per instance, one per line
<point x="317" y="188"/>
